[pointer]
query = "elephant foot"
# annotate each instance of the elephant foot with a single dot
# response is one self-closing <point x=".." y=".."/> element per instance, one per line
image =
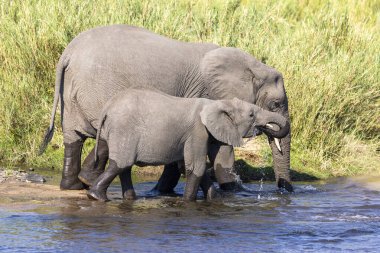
<point x="212" y="194"/>
<point x="208" y="188"/>
<point x="230" y="187"/>
<point x="71" y="184"/>
<point x="91" y="170"/>
<point x="97" y="195"/>
<point x="285" y="184"/>
<point x="191" y="188"/>
<point x="89" y="176"/>
<point x="71" y="166"/>
<point x="130" y="195"/>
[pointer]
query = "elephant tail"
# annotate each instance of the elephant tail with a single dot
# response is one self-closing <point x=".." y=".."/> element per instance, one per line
<point x="59" y="79"/>
<point x="98" y="137"/>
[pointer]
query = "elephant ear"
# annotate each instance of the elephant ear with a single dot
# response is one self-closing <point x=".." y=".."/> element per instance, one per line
<point x="218" y="117"/>
<point x="228" y="73"/>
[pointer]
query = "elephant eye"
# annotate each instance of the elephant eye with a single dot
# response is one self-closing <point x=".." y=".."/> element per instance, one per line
<point x="275" y="106"/>
<point x="251" y="114"/>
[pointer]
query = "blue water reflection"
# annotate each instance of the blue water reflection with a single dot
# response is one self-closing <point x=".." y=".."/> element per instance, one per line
<point x="333" y="216"/>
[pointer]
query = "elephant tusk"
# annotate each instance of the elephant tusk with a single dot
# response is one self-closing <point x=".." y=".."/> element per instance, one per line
<point x="269" y="126"/>
<point x="277" y="142"/>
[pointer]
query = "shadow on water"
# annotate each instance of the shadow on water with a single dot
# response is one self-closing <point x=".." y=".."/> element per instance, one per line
<point x="337" y="215"/>
<point x="248" y="173"/>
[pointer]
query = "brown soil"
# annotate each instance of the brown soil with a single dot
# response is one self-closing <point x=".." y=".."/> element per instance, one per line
<point x="148" y="171"/>
<point x="16" y="190"/>
<point x="250" y="151"/>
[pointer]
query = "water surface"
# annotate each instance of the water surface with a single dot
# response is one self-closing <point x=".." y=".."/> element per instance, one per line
<point x="338" y="215"/>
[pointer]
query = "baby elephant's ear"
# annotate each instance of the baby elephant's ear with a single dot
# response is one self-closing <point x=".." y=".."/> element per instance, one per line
<point x="218" y="117"/>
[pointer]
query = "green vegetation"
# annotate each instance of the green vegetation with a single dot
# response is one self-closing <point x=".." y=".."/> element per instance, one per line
<point x="328" y="52"/>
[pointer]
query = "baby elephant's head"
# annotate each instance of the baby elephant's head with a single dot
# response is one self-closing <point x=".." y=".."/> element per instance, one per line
<point x="231" y="120"/>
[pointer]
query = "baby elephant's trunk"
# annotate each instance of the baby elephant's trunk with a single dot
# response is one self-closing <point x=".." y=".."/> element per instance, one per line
<point x="273" y="124"/>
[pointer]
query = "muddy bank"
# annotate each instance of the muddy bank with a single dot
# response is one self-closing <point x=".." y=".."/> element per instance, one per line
<point x="18" y="186"/>
<point x="17" y="190"/>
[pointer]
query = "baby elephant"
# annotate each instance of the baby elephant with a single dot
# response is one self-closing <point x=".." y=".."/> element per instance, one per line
<point x="146" y="127"/>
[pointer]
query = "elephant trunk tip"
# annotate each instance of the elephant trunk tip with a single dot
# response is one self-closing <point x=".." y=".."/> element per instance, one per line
<point x="285" y="184"/>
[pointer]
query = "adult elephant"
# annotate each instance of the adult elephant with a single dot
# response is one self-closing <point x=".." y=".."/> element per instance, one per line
<point x="102" y="61"/>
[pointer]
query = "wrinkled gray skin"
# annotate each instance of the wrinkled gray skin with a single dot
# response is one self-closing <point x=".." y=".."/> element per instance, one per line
<point x="145" y="127"/>
<point x="101" y="62"/>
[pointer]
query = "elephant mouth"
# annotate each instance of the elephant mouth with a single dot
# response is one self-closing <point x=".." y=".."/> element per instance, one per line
<point x="252" y="133"/>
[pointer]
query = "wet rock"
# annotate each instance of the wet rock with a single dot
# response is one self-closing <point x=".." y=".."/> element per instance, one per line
<point x="20" y="176"/>
<point x="34" y="178"/>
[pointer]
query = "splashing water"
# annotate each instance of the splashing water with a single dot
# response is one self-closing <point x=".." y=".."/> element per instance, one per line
<point x="237" y="179"/>
<point x="260" y="189"/>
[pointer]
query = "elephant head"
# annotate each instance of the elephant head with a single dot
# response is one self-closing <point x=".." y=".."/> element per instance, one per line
<point x="229" y="73"/>
<point x="229" y="121"/>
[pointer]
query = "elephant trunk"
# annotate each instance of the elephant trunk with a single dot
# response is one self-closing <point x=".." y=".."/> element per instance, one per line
<point x="277" y="128"/>
<point x="281" y="161"/>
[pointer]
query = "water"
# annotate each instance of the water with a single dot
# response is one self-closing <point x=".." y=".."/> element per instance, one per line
<point x="341" y="215"/>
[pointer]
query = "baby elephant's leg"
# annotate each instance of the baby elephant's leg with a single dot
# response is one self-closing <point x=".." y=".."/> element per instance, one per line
<point x="195" y="155"/>
<point x="126" y="184"/>
<point x="191" y="188"/>
<point x="91" y="170"/>
<point x="98" y="190"/>
<point x="196" y="170"/>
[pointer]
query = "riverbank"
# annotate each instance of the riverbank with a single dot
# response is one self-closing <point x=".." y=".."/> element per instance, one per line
<point x="15" y="189"/>
<point x="19" y="191"/>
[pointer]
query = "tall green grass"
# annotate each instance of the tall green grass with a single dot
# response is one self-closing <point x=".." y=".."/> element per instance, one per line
<point x="328" y="52"/>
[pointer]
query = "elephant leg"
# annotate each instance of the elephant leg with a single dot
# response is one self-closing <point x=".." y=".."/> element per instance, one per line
<point x="191" y="189"/>
<point x="222" y="158"/>
<point x="207" y="187"/>
<point x="169" y="178"/>
<point x="71" y="166"/>
<point x="98" y="190"/>
<point x="127" y="185"/>
<point x="90" y="170"/>
<point x="195" y="157"/>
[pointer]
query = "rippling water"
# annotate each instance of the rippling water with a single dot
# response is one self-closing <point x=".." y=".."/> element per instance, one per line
<point x="339" y="215"/>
